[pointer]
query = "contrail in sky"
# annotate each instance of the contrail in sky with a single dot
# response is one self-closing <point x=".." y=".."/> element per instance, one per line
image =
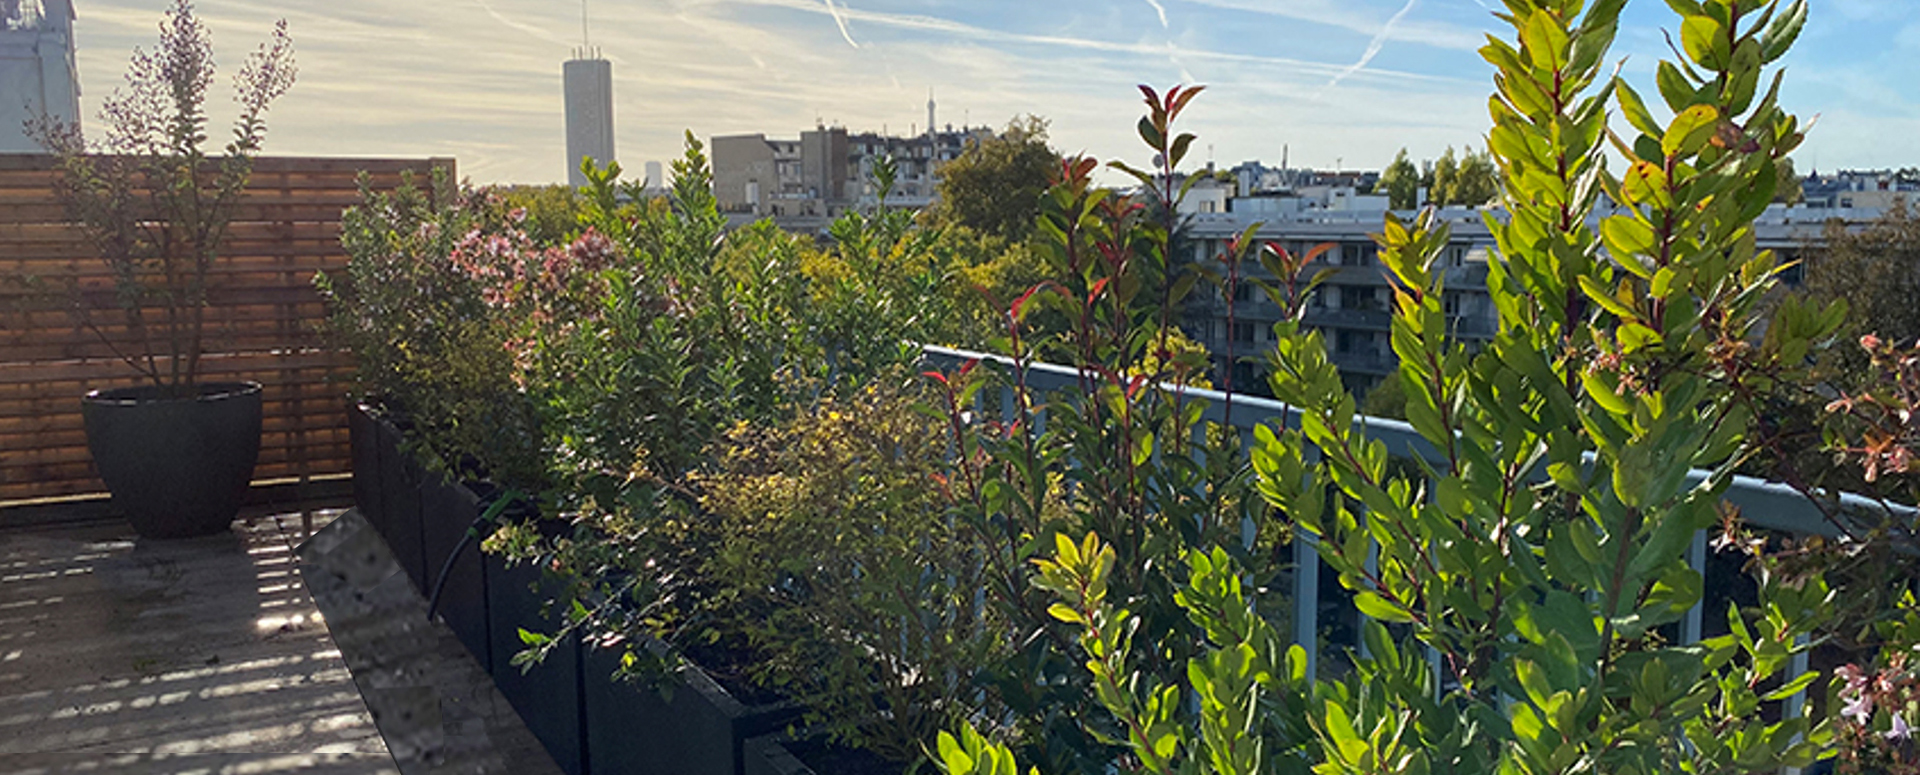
<point x="1159" y="9"/>
<point x="521" y="26"/>
<point x="1373" y="47"/>
<point x="841" y="20"/>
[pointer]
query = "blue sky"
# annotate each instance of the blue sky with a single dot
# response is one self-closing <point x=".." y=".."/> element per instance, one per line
<point x="1332" y="81"/>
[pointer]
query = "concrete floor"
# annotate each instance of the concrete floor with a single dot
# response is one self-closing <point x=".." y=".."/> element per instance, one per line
<point x="198" y="655"/>
<point x="259" y="650"/>
<point x="437" y="708"/>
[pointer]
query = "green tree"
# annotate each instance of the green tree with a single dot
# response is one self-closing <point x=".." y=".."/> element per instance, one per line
<point x="1440" y="176"/>
<point x="994" y="187"/>
<point x="1466" y="179"/>
<point x="1876" y="271"/>
<point x="1400" y="182"/>
<point x="1788" y="190"/>
<point x="1475" y="181"/>
<point x="551" y="214"/>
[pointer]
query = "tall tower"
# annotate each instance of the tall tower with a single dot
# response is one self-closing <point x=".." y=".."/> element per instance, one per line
<point x="929" y="112"/>
<point x="37" y="75"/>
<point x="588" y="81"/>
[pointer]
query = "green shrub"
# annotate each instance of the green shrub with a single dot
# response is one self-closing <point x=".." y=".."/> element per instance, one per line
<point x="1513" y="618"/>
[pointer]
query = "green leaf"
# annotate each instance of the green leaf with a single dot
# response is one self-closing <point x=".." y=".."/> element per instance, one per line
<point x="1373" y="605"/>
<point x="1634" y="109"/>
<point x="1604" y="394"/>
<point x="1705" y="40"/>
<point x="1792" y="687"/>
<point x="1544" y="42"/>
<point x="1690" y="130"/>
<point x="1675" y="88"/>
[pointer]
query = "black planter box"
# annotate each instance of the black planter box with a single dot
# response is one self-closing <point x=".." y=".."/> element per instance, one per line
<point x="363" y="434"/>
<point x="447" y="511"/>
<point x="547" y="694"/>
<point x="768" y="755"/>
<point x="787" y="753"/>
<point x="400" y="477"/>
<point x="699" y="730"/>
<point x="589" y="723"/>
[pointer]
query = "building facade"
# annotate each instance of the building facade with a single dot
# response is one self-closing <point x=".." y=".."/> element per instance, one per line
<point x="828" y="169"/>
<point x="588" y="82"/>
<point x="37" y="74"/>
<point x="1353" y="309"/>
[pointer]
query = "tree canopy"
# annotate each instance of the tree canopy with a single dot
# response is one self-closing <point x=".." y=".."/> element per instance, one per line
<point x="994" y="187"/>
<point x="1468" y="179"/>
<point x="1400" y="181"/>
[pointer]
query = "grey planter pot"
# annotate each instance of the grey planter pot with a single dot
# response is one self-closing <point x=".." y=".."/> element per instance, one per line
<point x="768" y="755"/>
<point x="177" y="467"/>
<point x="588" y="722"/>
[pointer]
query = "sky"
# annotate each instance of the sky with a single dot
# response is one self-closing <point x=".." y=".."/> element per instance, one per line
<point x="1329" y="82"/>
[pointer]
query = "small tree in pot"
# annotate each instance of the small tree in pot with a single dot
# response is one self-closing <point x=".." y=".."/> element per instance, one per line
<point x="176" y="453"/>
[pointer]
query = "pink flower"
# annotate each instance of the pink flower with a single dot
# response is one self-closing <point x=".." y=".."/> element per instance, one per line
<point x="592" y="251"/>
<point x="1870" y="342"/>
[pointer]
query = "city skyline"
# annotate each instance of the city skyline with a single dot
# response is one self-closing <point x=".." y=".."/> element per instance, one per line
<point x="1336" y="84"/>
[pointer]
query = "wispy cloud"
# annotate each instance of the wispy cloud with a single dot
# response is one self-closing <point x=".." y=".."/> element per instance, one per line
<point x="433" y="78"/>
<point x="1355" y="16"/>
<point x="840" y="19"/>
<point x="944" y="26"/>
<point x="1373" y="46"/>
<point x="521" y="26"/>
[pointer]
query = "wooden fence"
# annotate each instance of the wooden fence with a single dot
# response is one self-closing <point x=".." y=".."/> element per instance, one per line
<point x="262" y="323"/>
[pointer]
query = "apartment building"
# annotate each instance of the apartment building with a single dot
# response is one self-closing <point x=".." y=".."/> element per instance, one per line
<point x="1353" y="308"/>
<point x="828" y="169"/>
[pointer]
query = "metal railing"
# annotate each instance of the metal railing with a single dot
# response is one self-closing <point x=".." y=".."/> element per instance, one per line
<point x="1763" y="504"/>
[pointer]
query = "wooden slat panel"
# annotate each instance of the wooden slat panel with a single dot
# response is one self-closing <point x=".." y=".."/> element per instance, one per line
<point x="262" y="322"/>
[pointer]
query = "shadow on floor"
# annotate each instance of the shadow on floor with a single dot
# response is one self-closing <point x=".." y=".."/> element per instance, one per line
<point x="129" y="655"/>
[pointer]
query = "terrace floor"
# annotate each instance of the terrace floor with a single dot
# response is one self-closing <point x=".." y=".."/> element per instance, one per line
<point x="210" y="655"/>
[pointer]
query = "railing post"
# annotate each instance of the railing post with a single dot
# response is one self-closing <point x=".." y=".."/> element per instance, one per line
<point x="1306" y="596"/>
<point x="1696" y="559"/>
<point x="1797" y="704"/>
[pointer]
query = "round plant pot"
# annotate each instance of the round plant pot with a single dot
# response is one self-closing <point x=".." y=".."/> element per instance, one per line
<point x="177" y="467"/>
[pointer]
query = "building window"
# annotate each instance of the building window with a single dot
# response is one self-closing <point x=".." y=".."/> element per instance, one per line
<point x="1356" y="297"/>
<point x="1352" y="342"/>
<point x="1358" y="254"/>
<point x="1242" y="331"/>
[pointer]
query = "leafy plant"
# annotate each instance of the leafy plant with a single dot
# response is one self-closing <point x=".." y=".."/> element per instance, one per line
<point x="838" y="561"/>
<point x="153" y="203"/>
<point x="1514" y="618"/>
<point x="422" y="305"/>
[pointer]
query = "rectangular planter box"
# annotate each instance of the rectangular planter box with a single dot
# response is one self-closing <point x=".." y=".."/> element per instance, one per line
<point x="701" y="730"/>
<point x="768" y="755"/>
<point x="400" y="477"/>
<point x="447" y="511"/>
<point x="547" y="696"/>
<point x="589" y="723"/>
<point x="363" y="433"/>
